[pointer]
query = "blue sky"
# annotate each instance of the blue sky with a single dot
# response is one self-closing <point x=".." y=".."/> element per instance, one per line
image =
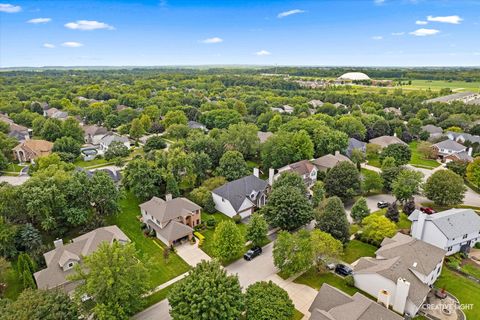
<point x="170" y="32"/>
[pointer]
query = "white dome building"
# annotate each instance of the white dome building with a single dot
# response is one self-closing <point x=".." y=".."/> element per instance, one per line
<point x="354" y="76"/>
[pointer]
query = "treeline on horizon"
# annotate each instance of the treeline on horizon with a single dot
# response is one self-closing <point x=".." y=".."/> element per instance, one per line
<point x="419" y="73"/>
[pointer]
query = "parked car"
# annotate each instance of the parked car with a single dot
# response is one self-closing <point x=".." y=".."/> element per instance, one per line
<point x="252" y="253"/>
<point x="343" y="270"/>
<point x="427" y="210"/>
<point x="382" y="204"/>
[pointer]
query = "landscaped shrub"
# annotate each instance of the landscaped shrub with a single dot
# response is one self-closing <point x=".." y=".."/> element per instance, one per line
<point x="350" y="281"/>
<point x="143" y="226"/>
<point x="200" y="237"/>
<point x="237" y="218"/>
<point x="211" y="222"/>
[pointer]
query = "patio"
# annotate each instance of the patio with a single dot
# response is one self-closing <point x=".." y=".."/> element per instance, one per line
<point x="441" y="305"/>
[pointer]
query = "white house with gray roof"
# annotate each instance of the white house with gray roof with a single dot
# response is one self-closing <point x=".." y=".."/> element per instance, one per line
<point x="172" y="220"/>
<point x="241" y="196"/>
<point x="449" y="150"/>
<point x="62" y="260"/>
<point x="334" y="304"/>
<point x="107" y="140"/>
<point x="453" y="230"/>
<point x="401" y="274"/>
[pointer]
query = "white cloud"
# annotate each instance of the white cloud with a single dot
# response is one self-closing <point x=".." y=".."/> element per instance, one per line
<point x="212" y="40"/>
<point x="446" y="19"/>
<point x="88" y="25"/>
<point x="72" y="44"/>
<point x="39" y="20"/>
<point x="421" y="22"/>
<point x="398" y="33"/>
<point x="377" y="37"/>
<point x="9" y="8"/>
<point x="289" y="13"/>
<point x="48" y="45"/>
<point x="378" y="2"/>
<point x="263" y="53"/>
<point x="424" y="32"/>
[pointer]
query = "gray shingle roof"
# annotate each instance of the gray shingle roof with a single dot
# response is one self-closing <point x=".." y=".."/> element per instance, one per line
<point x="430" y="128"/>
<point x="236" y="191"/>
<point x="453" y="223"/>
<point x="385" y="141"/>
<point x="466" y="136"/>
<point x="399" y="257"/>
<point x="165" y="211"/>
<point x="333" y="304"/>
<point x="330" y="160"/>
<point x="450" y="145"/>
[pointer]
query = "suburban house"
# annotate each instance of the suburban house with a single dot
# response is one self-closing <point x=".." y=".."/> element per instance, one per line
<point x="93" y="134"/>
<point x="356" y="144"/>
<point x="29" y="150"/>
<point x="393" y="110"/>
<point x="62" y="260"/>
<point x="242" y="196"/>
<point x="107" y="139"/>
<point x="16" y="131"/>
<point x="464" y="97"/>
<point x="329" y="161"/>
<point x="171" y="219"/>
<point x="315" y="103"/>
<point x="450" y="150"/>
<point x="401" y="274"/>
<point x="263" y="136"/>
<point x="284" y="109"/>
<point x="463" y="137"/>
<point x="452" y="230"/>
<point x="55" y="113"/>
<point x="385" y="141"/>
<point x="434" y="131"/>
<point x="334" y="304"/>
<point x="304" y="169"/>
<point x="197" y="125"/>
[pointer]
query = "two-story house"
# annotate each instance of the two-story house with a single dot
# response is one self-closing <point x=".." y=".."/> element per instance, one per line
<point x="452" y="230"/>
<point x="242" y="196"/>
<point x="171" y="219"/>
<point x="401" y="274"/>
<point x="304" y="169"/>
<point x="62" y="260"/>
<point x="450" y="150"/>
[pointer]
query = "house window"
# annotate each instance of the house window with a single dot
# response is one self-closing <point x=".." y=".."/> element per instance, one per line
<point x="198" y="221"/>
<point x="70" y="264"/>
<point x="465" y="236"/>
<point x="449" y="249"/>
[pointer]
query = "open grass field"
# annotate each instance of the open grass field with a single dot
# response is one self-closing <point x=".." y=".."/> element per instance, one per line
<point x="150" y="249"/>
<point x="435" y="85"/>
<point x="315" y="279"/>
<point x="418" y="159"/>
<point x="466" y="291"/>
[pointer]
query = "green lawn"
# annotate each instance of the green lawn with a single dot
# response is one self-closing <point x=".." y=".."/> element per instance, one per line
<point x="472" y="269"/>
<point x="297" y="315"/>
<point x="13" y="167"/>
<point x="157" y="296"/>
<point x="418" y="159"/>
<point x="150" y="249"/>
<point x="375" y="162"/>
<point x="92" y="163"/>
<point x="207" y="245"/>
<point x="466" y="291"/>
<point x="436" y="85"/>
<point x="314" y="279"/>
<point x="356" y="249"/>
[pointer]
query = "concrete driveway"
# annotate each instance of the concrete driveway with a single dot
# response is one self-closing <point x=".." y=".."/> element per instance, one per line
<point x="159" y="311"/>
<point x="14" y="180"/>
<point x="192" y="254"/>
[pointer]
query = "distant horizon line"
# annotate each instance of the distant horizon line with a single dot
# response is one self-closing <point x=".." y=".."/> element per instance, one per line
<point x="195" y="66"/>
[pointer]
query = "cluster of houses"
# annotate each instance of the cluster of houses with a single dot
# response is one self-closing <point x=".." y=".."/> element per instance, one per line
<point x="467" y="97"/>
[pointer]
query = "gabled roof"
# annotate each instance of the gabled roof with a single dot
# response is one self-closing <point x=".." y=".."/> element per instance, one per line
<point x="165" y="211"/>
<point x="53" y="275"/>
<point x="399" y="257"/>
<point x="385" y="141"/>
<point x="430" y="128"/>
<point x="111" y="137"/>
<point x="450" y="145"/>
<point x="466" y="136"/>
<point x="94" y="130"/>
<point x="174" y="230"/>
<point x="37" y="147"/>
<point x="453" y="223"/>
<point x="330" y="160"/>
<point x="301" y="167"/>
<point x="356" y="144"/>
<point x="236" y="191"/>
<point x="333" y="304"/>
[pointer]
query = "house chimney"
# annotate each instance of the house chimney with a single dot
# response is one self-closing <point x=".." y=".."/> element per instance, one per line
<point x="337" y="153"/>
<point x="271" y="174"/>
<point x="469" y="150"/>
<point x="256" y="172"/>
<point x="58" y="243"/>
<point x="401" y="294"/>
<point x="168" y="197"/>
<point x="417" y="230"/>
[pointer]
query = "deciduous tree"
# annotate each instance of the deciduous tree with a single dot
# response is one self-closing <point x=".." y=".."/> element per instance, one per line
<point x="266" y="300"/>
<point x="228" y="241"/>
<point x="445" y="188"/>
<point x="232" y="166"/>
<point x="343" y="181"/>
<point x="257" y="229"/>
<point x="360" y="210"/>
<point x="333" y="219"/>
<point x="376" y="228"/>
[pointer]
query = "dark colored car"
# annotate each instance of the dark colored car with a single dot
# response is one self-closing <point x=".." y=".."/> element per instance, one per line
<point x="252" y="253"/>
<point x="427" y="210"/>
<point x="343" y="270"/>
<point x="382" y="204"/>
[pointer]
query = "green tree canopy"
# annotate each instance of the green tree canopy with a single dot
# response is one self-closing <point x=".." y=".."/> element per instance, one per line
<point x="232" y="166"/>
<point x="445" y="188"/>
<point x="228" y="241"/>
<point x="333" y="219"/>
<point x="343" y="181"/>
<point x="266" y="300"/>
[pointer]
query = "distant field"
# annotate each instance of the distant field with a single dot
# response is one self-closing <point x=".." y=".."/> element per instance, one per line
<point x="437" y="85"/>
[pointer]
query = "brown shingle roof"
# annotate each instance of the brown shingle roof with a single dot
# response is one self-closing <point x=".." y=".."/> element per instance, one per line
<point x="165" y="211"/>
